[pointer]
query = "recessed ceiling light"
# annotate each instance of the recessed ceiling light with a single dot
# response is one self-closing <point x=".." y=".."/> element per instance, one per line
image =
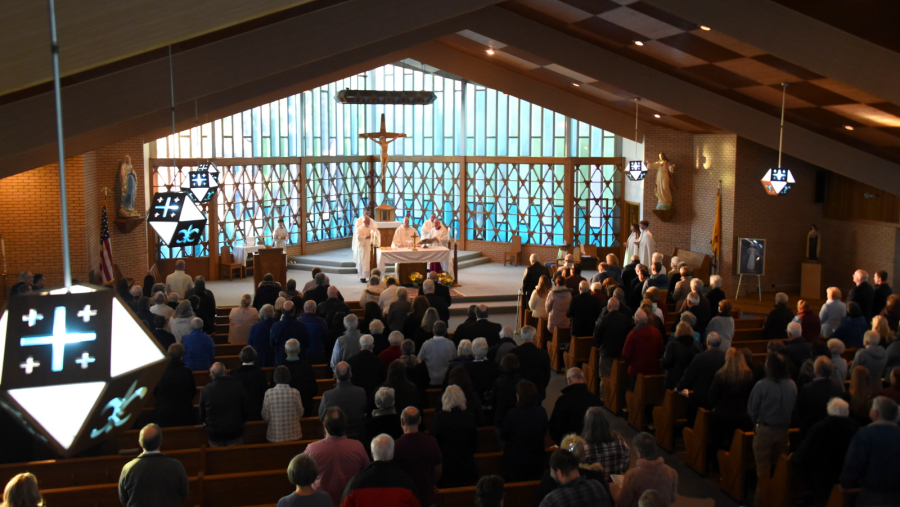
<point x="638" y="43"/>
<point x="575" y="84"/>
<point x="848" y="127"/>
<point x="489" y="51"/>
<point x="705" y="28"/>
<point x="657" y="115"/>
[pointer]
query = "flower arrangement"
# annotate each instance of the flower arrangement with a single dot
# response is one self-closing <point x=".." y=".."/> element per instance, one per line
<point x="446" y="280"/>
<point x="417" y="279"/>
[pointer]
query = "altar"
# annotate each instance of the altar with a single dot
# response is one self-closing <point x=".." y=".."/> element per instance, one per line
<point x="406" y="255"/>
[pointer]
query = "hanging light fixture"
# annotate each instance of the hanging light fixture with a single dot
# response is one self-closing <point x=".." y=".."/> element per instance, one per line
<point x="636" y="168"/>
<point x="779" y="180"/>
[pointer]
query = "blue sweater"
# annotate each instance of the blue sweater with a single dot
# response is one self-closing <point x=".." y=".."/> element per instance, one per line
<point x="872" y="458"/>
<point x="259" y="340"/>
<point x="199" y="350"/>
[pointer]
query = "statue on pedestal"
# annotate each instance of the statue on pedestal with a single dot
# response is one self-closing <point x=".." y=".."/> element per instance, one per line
<point x="129" y="188"/>
<point x="664" y="187"/>
<point x="813" y="244"/>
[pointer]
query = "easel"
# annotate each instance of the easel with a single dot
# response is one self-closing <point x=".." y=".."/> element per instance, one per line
<point x="758" y="285"/>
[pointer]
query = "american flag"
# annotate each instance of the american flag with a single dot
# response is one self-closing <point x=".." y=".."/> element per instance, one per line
<point x="106" y="261"/>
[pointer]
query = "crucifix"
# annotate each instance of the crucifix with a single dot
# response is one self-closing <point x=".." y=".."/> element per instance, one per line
<point x="383" y="138"/>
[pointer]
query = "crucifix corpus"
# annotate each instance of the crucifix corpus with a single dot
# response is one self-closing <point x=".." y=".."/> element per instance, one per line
<point x="383" y="138"/>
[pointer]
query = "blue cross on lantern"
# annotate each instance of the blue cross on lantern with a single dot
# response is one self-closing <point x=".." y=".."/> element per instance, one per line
<point x="201" y="185"/>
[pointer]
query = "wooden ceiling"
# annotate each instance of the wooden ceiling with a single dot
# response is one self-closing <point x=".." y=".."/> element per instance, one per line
<point x="577" y="55"/>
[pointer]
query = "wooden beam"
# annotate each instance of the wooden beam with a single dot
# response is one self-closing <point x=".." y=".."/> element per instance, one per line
<point x="619" y="71"/>
<point x="524" y="87"/>
<point x="140" y="95"/>
<point x="800" y="39"/>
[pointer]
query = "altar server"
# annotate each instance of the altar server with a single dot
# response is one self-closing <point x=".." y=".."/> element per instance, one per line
<point x="427" y="226"/>
<point x="354" y="244"/>
<point x="363" y="256"/>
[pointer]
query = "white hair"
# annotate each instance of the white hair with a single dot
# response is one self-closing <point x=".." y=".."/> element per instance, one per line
<point x="366" y="342"/>
<point x="428" y="286"/>
<point x="453" y="398"/>
<point x="527" y="333"/>
<point x="694" y="298"/>
<point x="402" y="293"/>
<point x="395" y="338"/>
<point x="596" y="286"/>
<point x="584" y="286"/>
<point x="382" y="447"/>
<point x="309" y="306"/>
<point x="351" y="321"/>
<point x="292" y="347"/>
<point x="871" y="338"/>
<point x="781" y="297"/>
<point x="136" y="290"/>
<point x="713" y="340"/>
<point x="480" y="348"/>
<point x="656" y="257"/>
<point x="464" y="348"/>
<point x="267" y="312"/>
<point x="196" y="323"/>
<point x="641" y="317"/>
<point x="575" y="373"/>
<point x="715" y="281"/>
<point x="384" y="397"/>
<point x="506" y="332"/>
<point x="838" y="407"/>
<point x="675" y="261"/>
<point x="836" y="346"/>
<point x="696" y="284"/>
<point x="376" y="326"/>
<point x="794" y="329"/>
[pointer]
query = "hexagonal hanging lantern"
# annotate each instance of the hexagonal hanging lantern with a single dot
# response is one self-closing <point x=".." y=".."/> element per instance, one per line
<point x="778" y="181"/>
<point x="636" y="170"/>
<point x="177" y="220"/>
<point x="201" y="185"/>
<point x="76" y="366"/>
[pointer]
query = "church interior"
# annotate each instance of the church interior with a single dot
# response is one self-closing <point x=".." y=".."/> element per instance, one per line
<point x="758" y="139"/>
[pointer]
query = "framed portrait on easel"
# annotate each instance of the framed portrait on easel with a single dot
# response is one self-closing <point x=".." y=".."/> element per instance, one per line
<point x="751" y="256"/>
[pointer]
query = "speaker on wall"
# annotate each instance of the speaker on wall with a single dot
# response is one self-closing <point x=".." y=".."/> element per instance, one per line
<point x="821" y="182"/>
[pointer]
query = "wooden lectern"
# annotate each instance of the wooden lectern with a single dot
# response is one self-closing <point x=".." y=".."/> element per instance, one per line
<point x="270" y="260"/>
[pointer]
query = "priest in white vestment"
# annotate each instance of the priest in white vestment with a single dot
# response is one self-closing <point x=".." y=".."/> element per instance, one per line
<point x="354" y="243"/>
<point x="647" y="246"/>
<point x="404" y="234"/>
<point x="363" y="256"/>
<point x="427" y="226"/>
<point x="440" y="235"/>
<point x="279" y="235"/>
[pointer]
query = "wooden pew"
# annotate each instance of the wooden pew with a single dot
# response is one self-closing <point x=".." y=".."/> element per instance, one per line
<point x="561" y="337"/>
<point x="491" y="463"/>
<point x="783" y="489"/>
<point x="229" y="349"/>
<point x="529" y="319"/>
<point x="751" y="323"/>
<point x="516" y="493"/>
<point x="755" y="346"/>
<point x="743" y="335"/>
<point x="667" y="417"/>
<point x="201" y="378"/>
<point x="543" y="335"/>
<point x="735" y="463"/>
<point x="434" y="397"/>
<point x="841" y="498"/>
<point x="104" y="495"/>
<point x="247" y="488"/>
<point x="648" y="390"/>
<point x="592" y="371"/>
<point x="614" y="387"/>
<point x="579" y="351"/>
<point x="695" y="441"/>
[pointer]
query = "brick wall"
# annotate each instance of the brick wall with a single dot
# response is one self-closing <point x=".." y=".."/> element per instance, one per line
<point x="102" y="170"/>
<point x="678" y="147"/>
<point x="30" y="219"/>
<point x="714" y="163"/>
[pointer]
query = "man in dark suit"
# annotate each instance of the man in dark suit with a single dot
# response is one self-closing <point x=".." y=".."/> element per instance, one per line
<point x="320" y="293"/>
<point x="175" y="392"/>
<point x="699" y="375"/>
<point x="253" y="378"/>
<point x="152" y="478"/>
<point x="881" y="292"/>
<point x="778" y="319"/>
<point x="331" y="306"/>
<point x="628" y="272"/>
<point x="285" y="329"/>
<point x="481" y="328"/>
<point x="303" y="378"/>
<point x="440" y="289"/>
<point x="267" y="292"/>
<point x="610" y="333"/>
<point x="534" y="363"/>
<point x="368" y="369"/>
<point x="533" y="274"/>
<point x="223" y="408"/>
<point x="813" y="400"/>
<point x="863" y="294"/>
<point x="820" y="457"/>
<point x="584" y="311"/>
<point x="635" y="293"/>
<point x="435" y="301"/>
<point x="460" y="333"/>
<point x="568" y="413"/>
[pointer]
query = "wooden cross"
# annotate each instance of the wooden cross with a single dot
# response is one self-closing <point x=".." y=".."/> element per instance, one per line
<point x="383" y="138"/>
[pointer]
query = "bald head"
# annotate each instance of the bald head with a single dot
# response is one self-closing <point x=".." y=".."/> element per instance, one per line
<point x="584" y="286"/>
<point x="575" y="376"/>
<point x="217" y="370"/>
<point x="150" y="437"/>
<point x="342" y="372"/>
<point x="287" y="308"/>
<point x="332" y="292"/>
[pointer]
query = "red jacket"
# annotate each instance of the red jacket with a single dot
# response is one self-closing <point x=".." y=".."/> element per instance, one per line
<point x="642" y="351"/>
<point x="810" y="325"/>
